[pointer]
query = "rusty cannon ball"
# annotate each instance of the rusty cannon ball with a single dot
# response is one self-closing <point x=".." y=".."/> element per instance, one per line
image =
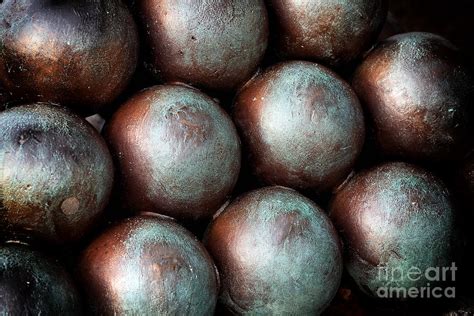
<point x="148" y="265"/>
<point x="214" y="45"/>
<point x="177" y="151"/>
<point x="334" y="33"/>
<point x="301" y="126"/>
<point x="33" y="284"/>
<point x="397" y="222"/>
<point x="276" y="252"/>
<point x="77" y="53"/>
<point x="56" y="173"/>
<point x="418" y="94"/>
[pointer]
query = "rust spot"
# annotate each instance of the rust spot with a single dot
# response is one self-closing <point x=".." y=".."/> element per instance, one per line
<point x="27" y="136"/>
<point x="290" y="226"/>
<point x="171" y="263"/>
<point x="70" y="205"/>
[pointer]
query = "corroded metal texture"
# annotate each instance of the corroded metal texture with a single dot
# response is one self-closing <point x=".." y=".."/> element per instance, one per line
<point x="277" y="253"/>
<point x="331" y="32"/>
<point x="32" y="284"/>
<point x="391" y="218"/>
<point x="77" y="53"/>
<point x="301" y="126"/>
<point x="178" y="152"/>
<point x="212" y="44"/>
<point x="148" y="265"/>
<point x="56" y="173"/>
<point x="419" y="96"/>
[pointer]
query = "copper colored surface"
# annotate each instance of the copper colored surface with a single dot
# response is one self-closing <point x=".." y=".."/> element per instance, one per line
<point x="77" y="53"/>
<point x="277" y="254"/>
<point x="418" y="94"/>
<point x="148" y="265"/>
<point x="177" y="151"/>
<point x="56" y="173"/>
<point x="214" y="45"/>
<point x="331" y="32"/>
<point x="301" y="126"/>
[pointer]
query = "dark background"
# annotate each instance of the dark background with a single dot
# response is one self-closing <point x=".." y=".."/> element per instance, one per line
<point x="453" y="19"/>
